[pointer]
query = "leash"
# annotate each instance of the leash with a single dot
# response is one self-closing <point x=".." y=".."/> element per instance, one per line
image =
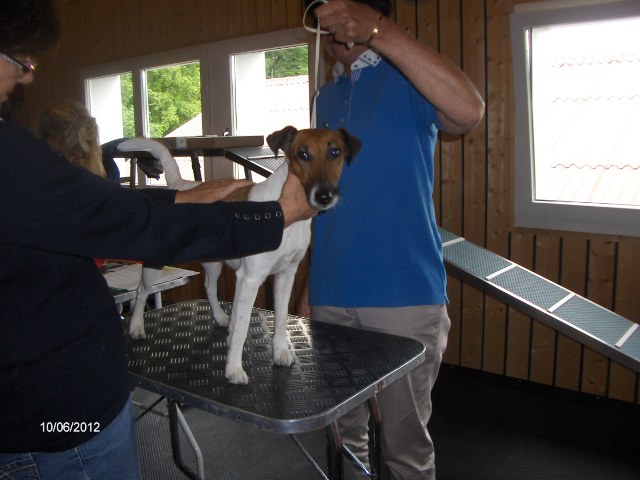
<point x="318" y="31"/>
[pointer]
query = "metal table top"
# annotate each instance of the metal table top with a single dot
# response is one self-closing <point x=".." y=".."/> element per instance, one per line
<point x="335" y="369"/>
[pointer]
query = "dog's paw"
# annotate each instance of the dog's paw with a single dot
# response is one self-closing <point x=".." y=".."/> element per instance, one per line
<point x="236" y="375"/>
<point x="283" y="357"/>
<point x="221" y="319"/>
<point x="137" y="333"/>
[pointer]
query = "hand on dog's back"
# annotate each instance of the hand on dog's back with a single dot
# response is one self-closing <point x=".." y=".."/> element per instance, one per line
<point x="209" y="192"/>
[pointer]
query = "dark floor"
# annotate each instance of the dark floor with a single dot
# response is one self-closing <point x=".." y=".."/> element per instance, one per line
<point x="487" y="427"/>
<point x="484" y="427"/>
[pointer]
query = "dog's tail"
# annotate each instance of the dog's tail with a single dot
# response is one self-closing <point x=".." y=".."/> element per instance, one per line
<point x="169" y="164"/>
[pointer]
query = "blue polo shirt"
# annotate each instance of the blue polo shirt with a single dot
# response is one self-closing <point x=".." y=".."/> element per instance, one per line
<point x="380" y="246"/>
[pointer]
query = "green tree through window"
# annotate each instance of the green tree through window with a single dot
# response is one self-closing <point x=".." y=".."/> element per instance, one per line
<point x="286" y="62"/>
<point x="173" y="97"/>
<point x="173" y="92"/>
<point x="126" y="93"/>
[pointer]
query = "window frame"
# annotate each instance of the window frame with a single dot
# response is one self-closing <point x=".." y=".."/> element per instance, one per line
<point x="528" y="212"/>
<point x="216" y="75"/>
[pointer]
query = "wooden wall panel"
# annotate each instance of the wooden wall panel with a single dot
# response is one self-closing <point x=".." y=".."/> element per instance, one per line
<point x="474" y="40"/>
<point x="595" y="373"/>
<point x="543" y="344"/>
<point x="518" y="344"/>
<point x="494" y="337"/>
<point x="279" y="14"/>
<point x="499" y="126"/>
<point x="220" y="14"/>
<point x="294" y="11"/>
<point x="263" y="14"/>
<point x="568" y="363"/>
<point x="622" y="383"/>
<point x="496" y="216"/>
<point x="627" y="299"/>
<point x="406" y="15"/>
<point x="249" y="15"/>
<point x="473" y="190"/>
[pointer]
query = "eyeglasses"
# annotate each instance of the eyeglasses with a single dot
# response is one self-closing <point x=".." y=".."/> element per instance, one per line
<point x="24" y="67"/>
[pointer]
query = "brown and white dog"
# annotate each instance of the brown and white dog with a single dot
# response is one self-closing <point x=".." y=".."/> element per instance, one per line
<point x="316" y="157"/>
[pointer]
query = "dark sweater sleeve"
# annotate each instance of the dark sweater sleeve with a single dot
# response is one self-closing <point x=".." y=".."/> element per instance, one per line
<point x="65" y="209"/>
<point x="161" y="194"/>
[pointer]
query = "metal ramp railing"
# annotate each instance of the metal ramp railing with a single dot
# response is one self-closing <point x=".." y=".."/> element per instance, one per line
<point x="590" y="324"/>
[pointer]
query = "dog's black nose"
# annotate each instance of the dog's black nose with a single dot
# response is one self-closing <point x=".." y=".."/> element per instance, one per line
<point x="324" y="197"/>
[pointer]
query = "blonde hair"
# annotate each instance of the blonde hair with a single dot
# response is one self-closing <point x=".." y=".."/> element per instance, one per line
<point x="71" y="131"/>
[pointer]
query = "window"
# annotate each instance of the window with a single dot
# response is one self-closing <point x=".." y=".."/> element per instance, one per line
<point x="176" y="93"/>
<point x="262" y="84"/>
<point x="173" y="102"/>
<point x="577" y="91"/>
<point x="111" y="103"/>
<point x="270" y="91"/>
<point x="156" y="96"/>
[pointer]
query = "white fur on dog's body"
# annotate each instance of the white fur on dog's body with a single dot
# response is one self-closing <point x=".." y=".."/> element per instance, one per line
<point x="251" y="271"/>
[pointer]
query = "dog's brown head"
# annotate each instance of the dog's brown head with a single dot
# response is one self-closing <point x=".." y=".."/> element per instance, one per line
<point x="316" y="156"/>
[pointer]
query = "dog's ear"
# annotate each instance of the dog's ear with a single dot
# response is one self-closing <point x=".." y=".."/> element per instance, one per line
<point x="281" y="139"/>
<point x="353" y="145"/>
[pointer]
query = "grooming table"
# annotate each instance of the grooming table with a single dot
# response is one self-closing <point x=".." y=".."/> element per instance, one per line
<point x="335" y="369"/>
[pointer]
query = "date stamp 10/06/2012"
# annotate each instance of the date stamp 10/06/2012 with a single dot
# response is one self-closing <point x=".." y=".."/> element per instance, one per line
<point x="70" y="427"/>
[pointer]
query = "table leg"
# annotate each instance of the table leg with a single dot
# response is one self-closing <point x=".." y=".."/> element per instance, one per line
<point x="195" y="166"/>
<point x="375" y="446"/>
<point x="132" y="173"/>
<point x="177" y="420"/>
<point x="310" y="458"/>
<point x="334" y="451"/>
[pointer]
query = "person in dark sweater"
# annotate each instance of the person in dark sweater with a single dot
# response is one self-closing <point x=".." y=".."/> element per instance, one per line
<point x="65" y="408"/>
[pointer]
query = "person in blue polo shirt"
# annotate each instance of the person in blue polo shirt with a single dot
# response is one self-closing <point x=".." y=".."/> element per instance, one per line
<point x="377" y="260"/>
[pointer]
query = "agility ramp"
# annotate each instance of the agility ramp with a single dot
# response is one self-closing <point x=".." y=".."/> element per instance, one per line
<point x="578" y="318"/>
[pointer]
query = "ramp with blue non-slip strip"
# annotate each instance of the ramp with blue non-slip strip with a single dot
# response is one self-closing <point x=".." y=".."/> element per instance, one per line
<point x="586" y="322"/>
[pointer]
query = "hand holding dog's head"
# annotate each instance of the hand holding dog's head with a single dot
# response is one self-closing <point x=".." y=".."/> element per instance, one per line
<point x="316" y="156"/>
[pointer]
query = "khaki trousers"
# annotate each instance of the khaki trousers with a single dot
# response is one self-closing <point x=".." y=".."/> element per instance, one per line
<point x="405" y="405"/>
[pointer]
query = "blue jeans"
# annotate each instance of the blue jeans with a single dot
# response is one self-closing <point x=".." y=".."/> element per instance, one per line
<point x="112" y="454"/>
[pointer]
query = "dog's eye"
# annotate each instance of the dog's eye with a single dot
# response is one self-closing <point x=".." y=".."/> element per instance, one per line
<point x="302" y="155"/>
<point x="335" y="152"/>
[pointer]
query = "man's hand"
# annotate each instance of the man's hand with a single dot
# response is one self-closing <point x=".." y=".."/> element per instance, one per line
<point x="294" y="203"/>
<point x="208" y="192"/>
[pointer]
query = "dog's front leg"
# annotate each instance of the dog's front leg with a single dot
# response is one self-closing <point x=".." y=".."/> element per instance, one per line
<point x="282" y="293"/>
<point x="148" y="279"/>
<point x="246" y="291"/>
<point x="212" y="271"/>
